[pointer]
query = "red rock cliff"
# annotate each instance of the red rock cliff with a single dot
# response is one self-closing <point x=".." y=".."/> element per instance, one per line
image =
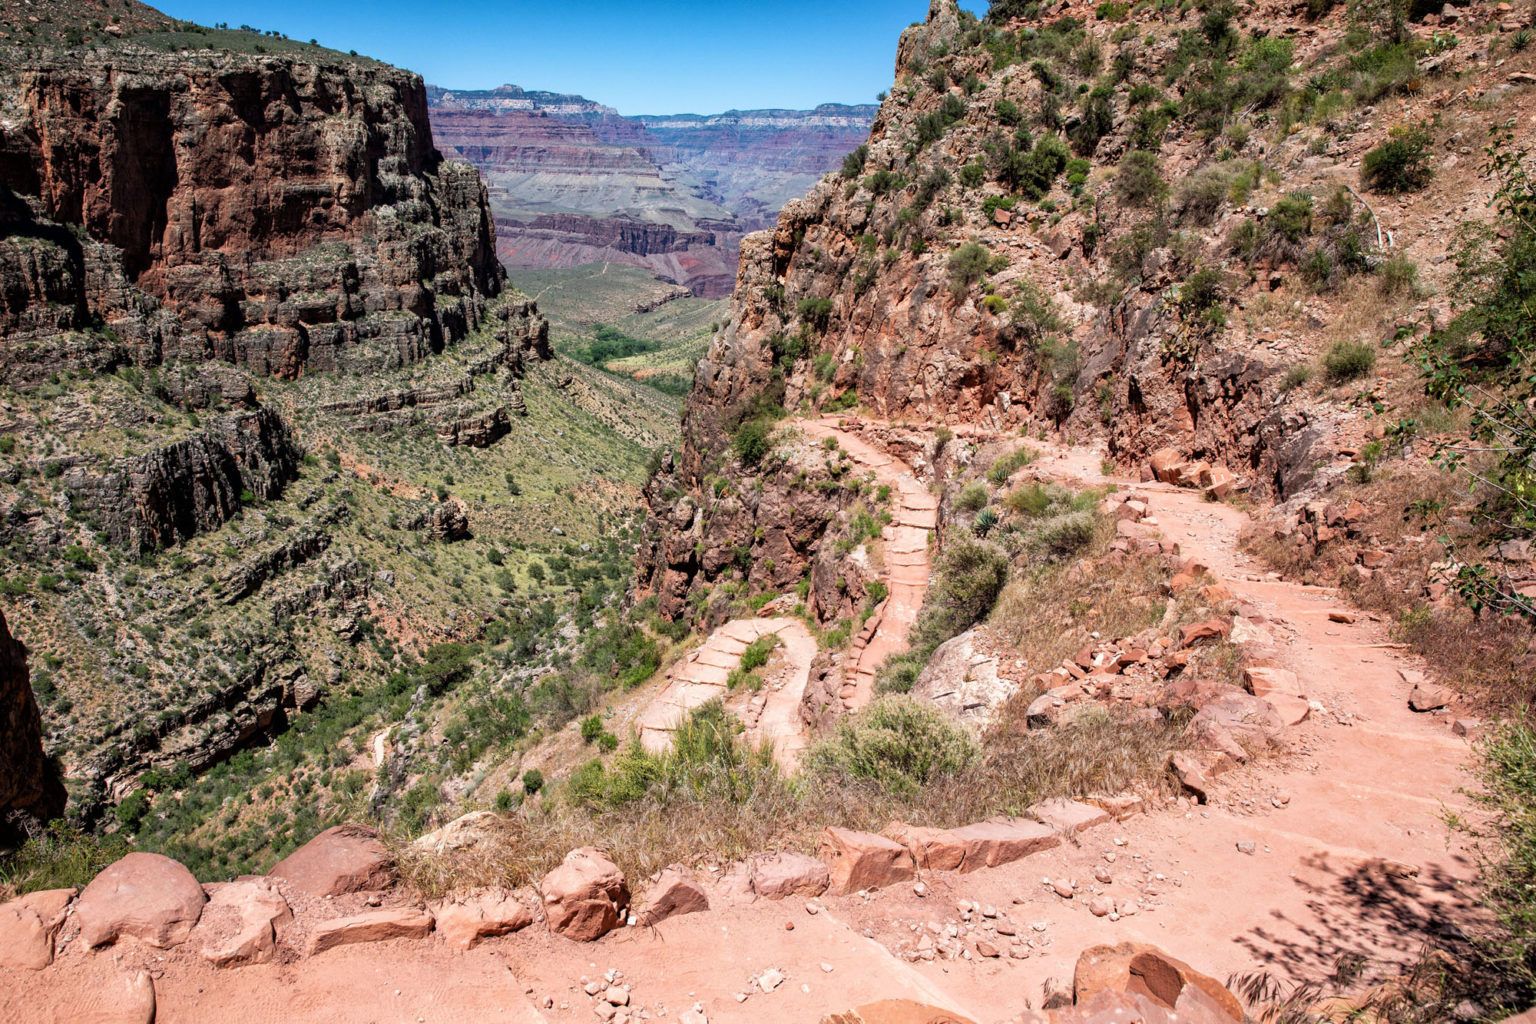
<point x="288" y="211"/>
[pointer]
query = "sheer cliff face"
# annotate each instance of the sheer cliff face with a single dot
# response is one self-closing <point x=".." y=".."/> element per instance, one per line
<point x="28" y="788"/>
<point x="574" y="182"/>
<point x="285" y="213"/>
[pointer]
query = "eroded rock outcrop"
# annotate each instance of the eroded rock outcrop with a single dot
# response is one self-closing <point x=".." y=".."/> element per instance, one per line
<point x="286" y="212"/>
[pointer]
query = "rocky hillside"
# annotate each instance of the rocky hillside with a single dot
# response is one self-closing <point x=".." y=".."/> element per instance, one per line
<point x="272" y="428"/>
<point x="1162" y="230"/>
<point x="573" y="182"/>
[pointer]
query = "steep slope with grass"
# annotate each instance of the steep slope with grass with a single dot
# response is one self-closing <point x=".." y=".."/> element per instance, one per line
<point x="285" y="467"/>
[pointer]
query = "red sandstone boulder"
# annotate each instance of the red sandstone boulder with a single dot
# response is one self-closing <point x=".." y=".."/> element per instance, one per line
<point x="1138" y="970"/>
<point x="1002" y="841"/>
<point x="464" y="921"/>
<point x="1068" y="817"/>
<point x="347" y="858"/>
<point x="777" y="875"/>
<point x="28" y="925"/>
<point x="935" y="849"/>
<point x="863" y="860"/>
<point x="585" y="897"/>
<point x="1208" y="629"/>
<point x="143" y="896"/>
<point x="239" y="924"/>
<point x="1165" y="464"/>
<point x="674" y="893"/>
<point x="374" y="926"/>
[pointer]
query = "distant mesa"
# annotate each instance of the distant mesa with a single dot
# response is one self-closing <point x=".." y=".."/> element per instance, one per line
<point x="572" y="181"/>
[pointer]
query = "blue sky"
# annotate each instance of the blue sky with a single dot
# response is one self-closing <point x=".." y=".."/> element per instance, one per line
<point x="662" y="57"/>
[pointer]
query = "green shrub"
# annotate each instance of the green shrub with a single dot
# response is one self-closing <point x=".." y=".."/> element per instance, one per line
<point x="62" y="856"/>
<point x="1295" y="377"/>
<point x="708" y="760"/>
<point x="1138" y="180"/>
<point x="591" y="728"/>
<point x="1402" y="163"/>
<point x="1398" y="276"/>
<point x="815" y="311"/>
<point x="1348" y="360"/>
<point x="1007" y="465"/>
<point x="753" y="440"/>
<point x="533" y="781"/>
<point x="1031" y="499"/>
<point x="969" y="263"/>
<point x="897" y="744"/>
<point x="853" y="163"/>
<point x="755" y="654"/>
<point x="973" y="497"/>
<point x="970" y="575"/>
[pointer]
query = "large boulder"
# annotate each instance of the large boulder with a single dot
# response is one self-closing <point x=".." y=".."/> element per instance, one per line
<point x="347" y="858"/>
<point x="28" y="926"/>
<point x="1136" y="969"/>
<point x="962" y="681"/>
<point x="143" y="896"/>
<point x="585" y="897"/>
<point x="373" y="926"/>
<point x="465" y="832"/>
<point x="777" y="875"/>
<point x="239" y="925"/>
<point x="674" y="893"/>
<point x="863" y="860"/>
<point x="465" y="920"/>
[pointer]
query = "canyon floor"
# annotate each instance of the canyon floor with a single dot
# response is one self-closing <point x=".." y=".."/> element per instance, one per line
<point x="1337" y="848"/>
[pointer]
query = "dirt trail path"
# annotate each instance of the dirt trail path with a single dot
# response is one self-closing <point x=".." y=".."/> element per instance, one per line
<point x="1337" y="848"/>
<point x="703" y="676"/>
<point x="908" y="563"/>
<point x="905" y="545"/>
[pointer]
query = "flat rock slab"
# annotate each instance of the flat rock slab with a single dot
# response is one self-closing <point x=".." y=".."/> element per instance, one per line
<point x="991" y="843"/>
<point x="143" y="896"/>
<point x="463" y="922"/>
<point x="777" y="875"/>
<point x="863" y="860"/>
<point x="239" y="924"/>
<point x="343" y="859"/>
<point x="28" y="926"/>
<point x="1068" y="817"/>
<point x="374" y="926"/>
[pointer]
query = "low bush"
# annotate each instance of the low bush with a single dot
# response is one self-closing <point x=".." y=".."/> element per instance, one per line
<point x="1402" y="163"/>
<point x="1007" y="465"/>
<point x="969" y="263"/>
<point x="970" y="574"/>
<point x="1138" y="181"/>
<point x="898" y="744"/>
<point x="1348" y="360"/>
<point x="973" y="497"/>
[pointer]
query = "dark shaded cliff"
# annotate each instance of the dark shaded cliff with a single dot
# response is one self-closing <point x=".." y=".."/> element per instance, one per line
<point x="29" y="788"/>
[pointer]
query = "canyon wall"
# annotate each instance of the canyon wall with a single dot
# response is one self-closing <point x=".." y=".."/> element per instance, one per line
<point x="288" y="214"/>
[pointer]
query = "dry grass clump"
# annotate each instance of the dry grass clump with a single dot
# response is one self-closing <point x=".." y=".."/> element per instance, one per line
<point x="1049" y="614"/>
<point x="1016" y="768"/>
